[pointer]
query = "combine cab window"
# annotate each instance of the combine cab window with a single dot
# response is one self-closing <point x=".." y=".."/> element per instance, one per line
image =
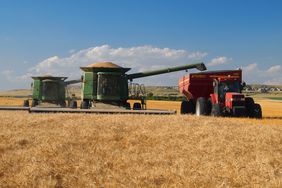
<point x="108" y="85"/>
<point x="50" y="90"/>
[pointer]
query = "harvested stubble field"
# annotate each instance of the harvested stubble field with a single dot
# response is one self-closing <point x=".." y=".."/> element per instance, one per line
<point x="86" y="150"/>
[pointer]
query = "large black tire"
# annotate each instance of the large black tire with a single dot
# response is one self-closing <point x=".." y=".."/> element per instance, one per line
<point x="137" y="106"/>
<point x="187" y="107"/>
<point x="63" y="104"/>
<point x="85" y="105"/>
<point x="73" y="104"/>
<point x="127" y="106"/>
<point x="201" y="106"/>
<point x="34" y="103"/>
<point x="209" y="106"/>
<point x="184" y="107"/>
<point x="257" y="111"/>
<point x="250" y="105"/>
<point x="216" y="110"/>
<point x="26" y="103"/>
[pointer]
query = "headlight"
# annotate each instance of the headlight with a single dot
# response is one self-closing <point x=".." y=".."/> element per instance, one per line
<point x="237" y="99"/>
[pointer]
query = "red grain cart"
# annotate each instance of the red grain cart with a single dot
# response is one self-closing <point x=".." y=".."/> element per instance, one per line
<point x="217" y="93"/>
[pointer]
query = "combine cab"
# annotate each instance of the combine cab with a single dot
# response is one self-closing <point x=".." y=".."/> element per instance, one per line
<point x="217" y="93"/>
<point x="50" y="91"/>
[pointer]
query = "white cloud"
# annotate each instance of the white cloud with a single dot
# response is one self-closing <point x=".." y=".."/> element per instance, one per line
<point x="254" y="74"/>
<point x="71" y="51"/>
<point x="10" y="76"/>
<point x="274" y="81"/>
<point x="139" y="58"/>
<point x="219" y="61"/>
<point x="7" y="73"/>
<point x="274" y="69"/>
<point x="251" y="67"/>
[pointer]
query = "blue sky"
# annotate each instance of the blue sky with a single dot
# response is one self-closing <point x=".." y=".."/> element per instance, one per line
<point x="56" y="37"/>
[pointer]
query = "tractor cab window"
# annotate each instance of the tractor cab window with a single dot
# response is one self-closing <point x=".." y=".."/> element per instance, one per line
<point x="226" y="87"/>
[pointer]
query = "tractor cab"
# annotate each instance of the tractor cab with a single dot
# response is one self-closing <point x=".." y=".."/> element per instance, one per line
<point x="223" y="87"/>
<point x="227" y="93"/>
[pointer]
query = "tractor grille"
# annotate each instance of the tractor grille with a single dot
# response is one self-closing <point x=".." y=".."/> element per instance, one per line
<point x="238" y="103"/>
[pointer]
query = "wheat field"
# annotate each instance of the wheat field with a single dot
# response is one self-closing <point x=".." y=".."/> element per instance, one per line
<point x="88" y="150"/>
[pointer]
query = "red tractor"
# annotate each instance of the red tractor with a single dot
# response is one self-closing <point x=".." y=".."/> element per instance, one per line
<point x="217" y="93"/>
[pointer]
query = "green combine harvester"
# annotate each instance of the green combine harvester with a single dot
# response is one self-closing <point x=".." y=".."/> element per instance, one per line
<point x="106" y="85"/>
<point x="50" y="91"/>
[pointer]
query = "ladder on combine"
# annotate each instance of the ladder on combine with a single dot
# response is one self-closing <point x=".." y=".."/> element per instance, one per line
<point x="137" y="92"/>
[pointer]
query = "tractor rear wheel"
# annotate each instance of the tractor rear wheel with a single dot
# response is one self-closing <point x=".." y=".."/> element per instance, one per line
<point x="137" y="106"/>
<point x="250" y="104"/>
<point x="84" y="104"/>
<point x="257" y="111"/>
<point x="26" y="103"/>
<point x="201" y="106"/>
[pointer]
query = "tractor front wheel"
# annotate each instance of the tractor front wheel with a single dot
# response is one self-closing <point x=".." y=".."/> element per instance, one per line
<point x="250" y="105"/>
<point x="257" y="113"/>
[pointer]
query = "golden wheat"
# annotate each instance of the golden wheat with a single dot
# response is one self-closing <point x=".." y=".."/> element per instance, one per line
<point x="87" y="150"/>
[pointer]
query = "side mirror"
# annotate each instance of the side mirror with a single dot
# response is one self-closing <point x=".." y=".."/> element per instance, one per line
<point x="31" y="85"/>
<point x="243" y="85"/>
